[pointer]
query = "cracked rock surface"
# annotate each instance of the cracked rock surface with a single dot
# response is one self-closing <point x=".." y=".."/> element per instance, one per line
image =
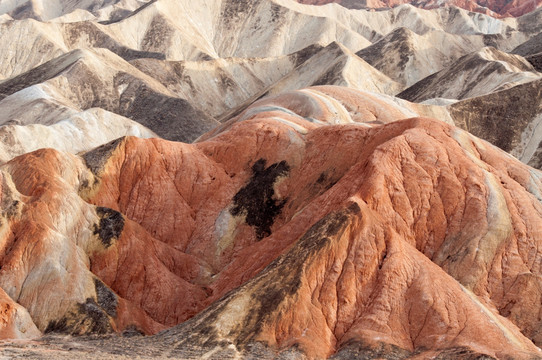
<point x="283" y="234"/>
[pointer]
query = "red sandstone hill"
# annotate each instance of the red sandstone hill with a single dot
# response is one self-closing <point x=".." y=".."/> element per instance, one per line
<point x="318" y="223"/>
<point x="500" y="8"/>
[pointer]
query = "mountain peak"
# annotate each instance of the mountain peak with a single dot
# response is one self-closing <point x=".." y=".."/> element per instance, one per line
<point x="235" y="179"/>
<point x="498" y="8"/>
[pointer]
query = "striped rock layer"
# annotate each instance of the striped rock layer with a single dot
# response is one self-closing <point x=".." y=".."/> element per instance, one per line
<point x="327" y="223"/>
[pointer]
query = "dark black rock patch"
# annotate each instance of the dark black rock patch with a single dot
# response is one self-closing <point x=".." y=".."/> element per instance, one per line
<point x="536" y="61"/>
<point x="132" y="331"/>
<point x="131" y="54"/>
<point x="326" y="180"/>
<point x="110" y="227"/>
<point x="97" y="158"/>
<point x="86" y="318"/>
<point x="301" y="56"/>
<point x="530" y="47"/>
<point x="256" y="199"/>
<point x="37" y="75"/>
<point x="234" y="12"/>
<point x="57" y="326"/>
<point x="106" y="298"/>
<point x="158" y="35"/>
<point x="332" y="75"/>
<point x="25" y="11"/>
<point x="96" y="317"/>
<point x="11" y="209"/>
<point x="492" y="39"/>
<point x="136" y="11"/>
<point x="224" y="80"/>
<point x="100" y="39"/>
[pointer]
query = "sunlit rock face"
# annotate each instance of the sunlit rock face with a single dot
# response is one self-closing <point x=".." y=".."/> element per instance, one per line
<point x="78" y="74"/>
<point x="270" y="179"/>
<point x="320" y="223"/>
<point x="498" y="8"/>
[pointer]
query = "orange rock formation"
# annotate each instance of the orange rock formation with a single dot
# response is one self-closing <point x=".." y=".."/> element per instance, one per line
<point x="319" y="222"/>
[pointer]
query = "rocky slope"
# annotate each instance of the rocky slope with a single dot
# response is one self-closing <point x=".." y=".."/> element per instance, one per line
<point x="399" y="54"/>
<point x="268" y="179"/>
<point x="535" y="60"/>
<point x="512" y="128"/>
<point x="80" y="132"/>
<point x="490" y="7"/>
<point x="240" y="81"/>
<point x="319" y="254"/>
<point x="88" y="9"/>
<point x="84" y="79"/>
<point x="166" y="73"/>
<point x="483" y="72"/>
<point x="532" y="51"/>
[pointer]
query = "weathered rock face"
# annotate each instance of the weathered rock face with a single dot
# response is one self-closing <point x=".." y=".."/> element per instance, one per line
<point x="332" y="234"/>
<point x="536" y="61"/>
<point x="171" y="69"/>
<point x="84" y="79"/>
<point x="303" y="220"/>
<point x="490" y="7"/>
<point x="87" y="9"/>
<point x="507" y="118"/>
<point x="15" y="322"/>
<point x="530" y="47"/>
<point x="79" y="132"/>
<point x="483" y="72"/>
<point x="399" y="54"/>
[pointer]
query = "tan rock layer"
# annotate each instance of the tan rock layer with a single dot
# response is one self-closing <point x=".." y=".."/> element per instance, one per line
<point x="500" y="8"/>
